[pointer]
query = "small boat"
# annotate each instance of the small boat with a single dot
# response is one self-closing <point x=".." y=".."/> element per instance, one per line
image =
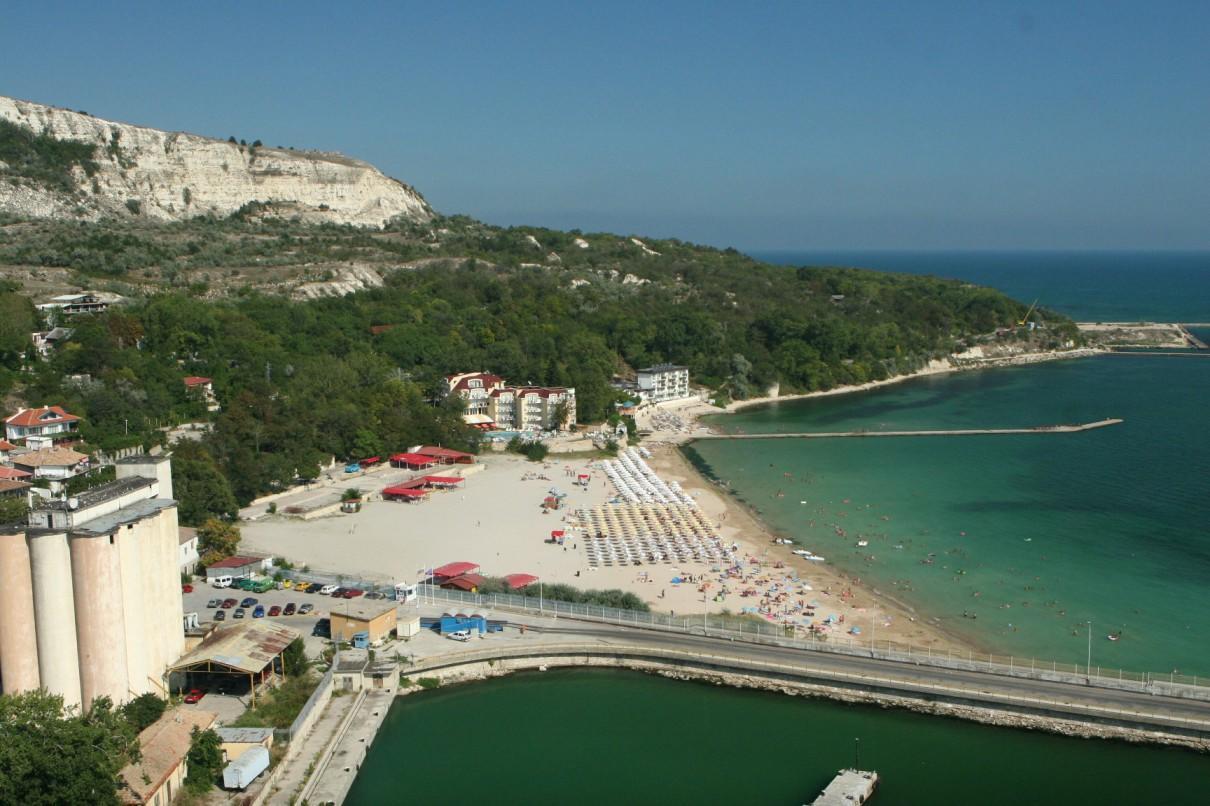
<point x="1114" y="636"/>
<point x="862" y="543"/>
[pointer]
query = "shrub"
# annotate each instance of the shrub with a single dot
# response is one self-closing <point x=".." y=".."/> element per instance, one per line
<point x="429" y="682"/>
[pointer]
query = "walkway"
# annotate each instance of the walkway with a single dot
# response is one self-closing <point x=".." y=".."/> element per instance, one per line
<point x="297" y="770"/>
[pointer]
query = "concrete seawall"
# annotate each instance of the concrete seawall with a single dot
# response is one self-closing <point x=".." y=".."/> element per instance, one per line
<point x="953" y="432"/>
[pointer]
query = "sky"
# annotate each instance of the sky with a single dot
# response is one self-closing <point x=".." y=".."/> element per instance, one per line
<point x="764" y="126"/>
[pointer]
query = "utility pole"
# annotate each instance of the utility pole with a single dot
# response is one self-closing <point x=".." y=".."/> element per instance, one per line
<point x="857" y="753"/>
<point x="1090" y="650"/>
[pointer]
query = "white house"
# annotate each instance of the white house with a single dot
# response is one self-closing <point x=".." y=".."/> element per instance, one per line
<point x="45" y="421"/>
<point x="664" y="382"/>
<point x="189" y="556"/>
<point x="204" y="388"/>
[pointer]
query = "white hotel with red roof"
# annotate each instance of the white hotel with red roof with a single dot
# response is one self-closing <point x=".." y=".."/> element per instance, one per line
<point x="490" y="404"/>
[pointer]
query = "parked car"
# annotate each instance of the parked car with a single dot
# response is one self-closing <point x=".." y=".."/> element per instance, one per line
<point x="214" y="603"/>
<point x="194" y="695"/>
<point x="290" y="609"/>
<point x="306" y="587"/>
<point x="245" y="583"/>
<point x="322" y="629"/>
<point x="339" y="593"/>
<point x="239" y="613"/>
<point x="375" y="595"/>
<point x="259" y="612"/>
<point x="186" y="589"/>
<point x="326" y="590"/>
<point x="221" y="582"/>
<point x="306" y="608"/>
<point x="285" y="584"/>
<point x="220" y="615"/>
<point x="275" y="611"/>
<point x="248" y="602"/>
<point x="229" y="603"/>
<point x="352" y="593"/>
<point x="460" y="635"/>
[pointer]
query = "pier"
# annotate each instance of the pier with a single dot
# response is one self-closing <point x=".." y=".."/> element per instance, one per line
<point x="952" y="432"/>
<point x="848" y="787"/>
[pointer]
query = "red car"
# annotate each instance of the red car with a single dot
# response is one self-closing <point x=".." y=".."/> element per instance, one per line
<point x="194" y="695"/>
<point x="275" y="611"/>
<point x="229" y="603"/>
<point x="352" y="593"/>
<point x="186" y="589"/>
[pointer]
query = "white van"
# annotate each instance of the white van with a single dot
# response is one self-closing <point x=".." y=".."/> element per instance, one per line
<point x="222" y="582"/>
<point x="326" y="590"/>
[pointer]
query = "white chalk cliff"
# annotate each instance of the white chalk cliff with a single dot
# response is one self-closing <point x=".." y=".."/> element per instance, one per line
<point x="170" y="176"/>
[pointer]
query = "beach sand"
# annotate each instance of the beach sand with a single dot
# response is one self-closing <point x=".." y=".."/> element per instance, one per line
<point x="496" y="521"/>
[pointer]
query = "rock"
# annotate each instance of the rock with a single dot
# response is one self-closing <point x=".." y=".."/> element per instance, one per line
<point x="172" y="176"/>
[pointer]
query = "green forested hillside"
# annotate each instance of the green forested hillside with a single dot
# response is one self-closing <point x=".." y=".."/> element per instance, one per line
<point x="301" y="381"/>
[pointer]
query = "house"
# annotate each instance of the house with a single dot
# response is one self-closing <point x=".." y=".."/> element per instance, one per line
<point x="664" y="382"/>
<point x="159" y="776"/>
<point x="56" y="464"/>
<point x="202" y="388"/>
<point x="44" y="421"/>
<point x="237" y="741"/>
<point x="237" y="567"/>
<point x="46" y="341"/>
<point x="73" y="304"/>
<point x="12" y="488"/>
<point x="490" y="403"/>
<point x="188" y="553"/>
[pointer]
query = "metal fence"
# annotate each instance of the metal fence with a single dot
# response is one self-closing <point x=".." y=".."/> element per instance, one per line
<point x="751" y="629"/>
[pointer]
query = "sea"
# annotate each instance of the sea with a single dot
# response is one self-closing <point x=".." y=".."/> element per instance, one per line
<point x="1038" y="546"/>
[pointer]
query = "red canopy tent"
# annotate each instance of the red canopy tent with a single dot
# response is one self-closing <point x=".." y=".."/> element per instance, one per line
<point x="403" y="492"/>
<point x="447" y="456"/>
<point x="455" y="569"/>
<point x="412" y="461"/>
<point x="444" y="481"/>
<point x="373" y="460"/>
<point x="518" y="581"/>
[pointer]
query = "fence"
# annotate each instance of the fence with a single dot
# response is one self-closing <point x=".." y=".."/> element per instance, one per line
<point x="750" y="629"/>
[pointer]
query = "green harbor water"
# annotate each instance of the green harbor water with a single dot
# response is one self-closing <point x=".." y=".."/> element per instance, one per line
<point x="607" y="737"/>
<point x="1014" y="541"/>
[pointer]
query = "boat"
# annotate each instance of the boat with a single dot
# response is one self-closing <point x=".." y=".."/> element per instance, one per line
<point x="862" y="543"/>
<point x="1114" y="636"/>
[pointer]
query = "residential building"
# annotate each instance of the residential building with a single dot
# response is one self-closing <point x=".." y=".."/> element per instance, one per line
<point x="12" y="488"/>
<point x="159" y="776"/>
<point x="46" y="341"/>
<point x="6" y="448"/>
<point x="664" y="382"/>
<point x="73" y="304"/>
<point x="90" y="594"/>
<point x="204" y="389"/>
<point x="44" y="421"/>
<point x="492" y="405"/>
<point x="188" y="555"/>
<point x="56" y="465"/>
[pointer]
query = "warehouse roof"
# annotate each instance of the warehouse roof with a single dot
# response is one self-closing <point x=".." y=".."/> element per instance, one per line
<point x="246" y="648"/>
<point x="244" y="735"/>
<point x="163" y="745"/>
<point x="366" y="611"/>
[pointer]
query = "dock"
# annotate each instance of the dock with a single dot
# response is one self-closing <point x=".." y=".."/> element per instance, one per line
<point x="1193" y="340"/>
<point x="953" y="432"/>
<point x="847" y="788"/>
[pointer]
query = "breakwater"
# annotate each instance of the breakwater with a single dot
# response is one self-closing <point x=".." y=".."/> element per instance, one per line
<point x="947" y="432"/>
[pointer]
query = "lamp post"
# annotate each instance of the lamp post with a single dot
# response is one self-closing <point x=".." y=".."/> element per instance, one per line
<point x="857" y="753"/>
<point x="1089" y="651"/>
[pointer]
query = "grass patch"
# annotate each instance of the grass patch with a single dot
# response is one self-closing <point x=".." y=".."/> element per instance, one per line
<point x="281" y="707"/>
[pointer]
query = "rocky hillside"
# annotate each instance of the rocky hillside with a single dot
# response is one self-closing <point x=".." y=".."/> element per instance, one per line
<point x="55" y="163"/>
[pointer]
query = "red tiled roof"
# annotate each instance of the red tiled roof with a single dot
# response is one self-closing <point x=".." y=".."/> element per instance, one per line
<point x="5" y="445"/>
<point x="9" y="485"/>
<point x="455" y="569"/>
<point x="196" y="380"/>
<point x="489" y="380"/>
<point x="32" y="416"/>
<point x="378" y="330"/>
<point x="238" y="561"/>
<point x="14" y="473"/>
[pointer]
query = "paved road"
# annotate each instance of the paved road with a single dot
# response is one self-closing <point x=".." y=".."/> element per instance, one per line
<point x="877" y="673"/>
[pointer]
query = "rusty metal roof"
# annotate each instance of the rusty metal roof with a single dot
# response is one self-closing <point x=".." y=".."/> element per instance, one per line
<point x="247" y="648"/>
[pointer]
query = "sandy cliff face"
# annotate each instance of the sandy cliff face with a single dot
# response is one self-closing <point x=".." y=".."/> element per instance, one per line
<point x="172" y="176"/>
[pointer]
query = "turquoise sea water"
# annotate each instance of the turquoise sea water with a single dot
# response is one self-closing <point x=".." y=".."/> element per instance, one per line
<point x="1035" y="535"/>
<point x="609" y="737"/>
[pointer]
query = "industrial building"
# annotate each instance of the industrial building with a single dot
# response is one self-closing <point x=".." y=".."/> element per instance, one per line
<point x="90" y="595"/>
<point x="239" y="658"/>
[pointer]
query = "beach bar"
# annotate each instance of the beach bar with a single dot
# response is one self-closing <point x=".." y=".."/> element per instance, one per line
<point x="454" y="569"/>
<point x="412" y="461"/>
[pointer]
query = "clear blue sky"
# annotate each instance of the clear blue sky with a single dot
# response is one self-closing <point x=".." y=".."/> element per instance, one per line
<point x="759" y="125"/>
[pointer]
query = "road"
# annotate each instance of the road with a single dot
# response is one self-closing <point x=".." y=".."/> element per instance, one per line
<point x="872" y="673"/>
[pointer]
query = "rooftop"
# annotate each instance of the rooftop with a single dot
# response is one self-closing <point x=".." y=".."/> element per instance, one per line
<point x="98" y="495"/>
<point x="247" y="735"/>
<point x="164" y="745"/>
<point x="144" y="459"/>
<point x="238" y="561"/>
<point x="246" y="648"/>
<point x="663" y="368"/>
<point x="185" y="534"/>
<point x="363" y="611"/>
<point x="50" y="457"/>
<point x="45" y="415"/>
<point x="10" y="485"/>
<point x="351" y="661"/>
<point x="105" y="524"/>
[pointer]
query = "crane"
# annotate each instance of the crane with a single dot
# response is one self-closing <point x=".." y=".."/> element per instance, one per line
<point x="1025" y="318"/>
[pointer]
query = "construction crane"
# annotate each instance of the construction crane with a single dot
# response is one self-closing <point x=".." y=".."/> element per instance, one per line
<point x="1025" y="318"/>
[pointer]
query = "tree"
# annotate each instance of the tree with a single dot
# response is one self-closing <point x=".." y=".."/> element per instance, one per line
<point x="217" y="540"/>
<point x="201" y="487"/>
<point x="50" y="756"/>
<point x="143" y="711"/>
<point x="204" y="760"/>
<point x="294" y="658"/>
<point x="13" y="510"/>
